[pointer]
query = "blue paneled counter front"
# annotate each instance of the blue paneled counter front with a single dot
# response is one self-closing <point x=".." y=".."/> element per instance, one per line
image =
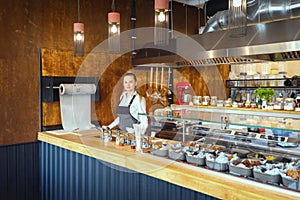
<point x="85" y="167"/>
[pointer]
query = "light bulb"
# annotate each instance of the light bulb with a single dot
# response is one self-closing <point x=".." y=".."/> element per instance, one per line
<point x="237" y="3"/>
<point x="161" y="17"/>
<point x="79" y="37"/>
<point x="114" y="28"/>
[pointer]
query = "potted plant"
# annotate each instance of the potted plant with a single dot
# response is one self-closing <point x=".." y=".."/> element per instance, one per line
<point x="263" y="95"/>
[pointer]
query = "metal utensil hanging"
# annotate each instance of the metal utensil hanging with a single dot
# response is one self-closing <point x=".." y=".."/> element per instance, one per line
<point x="149" y="90"/>
<point x="162" y="96"/>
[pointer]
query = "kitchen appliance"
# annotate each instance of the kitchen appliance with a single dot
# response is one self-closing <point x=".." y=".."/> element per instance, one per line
<point x="184" y="93"/>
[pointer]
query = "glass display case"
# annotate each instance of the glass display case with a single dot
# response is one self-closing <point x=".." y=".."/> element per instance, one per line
<point x="252" y="143"/>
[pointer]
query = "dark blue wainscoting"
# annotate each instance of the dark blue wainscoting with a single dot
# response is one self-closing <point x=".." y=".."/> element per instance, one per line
<point x="67" y="175"/>
<point x="19" y="171"/>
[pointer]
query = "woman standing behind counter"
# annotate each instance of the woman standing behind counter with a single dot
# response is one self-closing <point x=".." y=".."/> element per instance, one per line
<point x="130" y="105"/>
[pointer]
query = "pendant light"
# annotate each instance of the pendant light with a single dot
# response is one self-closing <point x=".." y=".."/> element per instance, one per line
<point x="237" y="18"/>
<point x="113" y="30"/>
<point x="78" y="35"/>
<point x="161" y="29"/>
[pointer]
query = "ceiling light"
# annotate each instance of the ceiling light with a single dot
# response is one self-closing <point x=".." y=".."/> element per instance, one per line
<point x="78" y="35"/>
<point x="161" y="29"/>
<point x="113" y="30"/>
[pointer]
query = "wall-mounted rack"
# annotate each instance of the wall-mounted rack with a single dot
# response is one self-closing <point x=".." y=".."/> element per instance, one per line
<point x="50" y="86"/>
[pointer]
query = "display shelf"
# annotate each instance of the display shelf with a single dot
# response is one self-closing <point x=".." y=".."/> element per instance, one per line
<point x="270" y="83"/>
<point x="240" y="111"/>
<point x="276" y="120"/>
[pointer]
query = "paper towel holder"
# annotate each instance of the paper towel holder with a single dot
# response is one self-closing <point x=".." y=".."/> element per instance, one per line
<point x="50" y="86"/>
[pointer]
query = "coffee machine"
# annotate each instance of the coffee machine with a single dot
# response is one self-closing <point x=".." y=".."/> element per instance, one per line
<point x="184" y="93"/>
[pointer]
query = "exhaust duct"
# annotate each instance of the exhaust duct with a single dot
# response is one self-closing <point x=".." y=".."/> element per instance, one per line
<point x="258" y="11"/>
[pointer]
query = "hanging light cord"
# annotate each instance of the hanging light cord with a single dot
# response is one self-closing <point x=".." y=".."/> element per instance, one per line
<point x="186" y="19"/>
<point x="171" y="18"/>
<point x="113" y="6"/>
<point x="78" y="7"/>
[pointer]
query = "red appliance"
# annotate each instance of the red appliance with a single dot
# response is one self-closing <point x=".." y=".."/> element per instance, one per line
<point x="184" y="93"/>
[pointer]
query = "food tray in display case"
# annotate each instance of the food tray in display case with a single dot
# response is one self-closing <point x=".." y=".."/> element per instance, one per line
<point x="195" y="160"/>
<point x="243" y="171"/>
<point x="176" y="154"/>
<point x="160" y="152"/>
<point x="267" y="178"/>
<point x="290" y="182"/>
<point x="217" y="166"/>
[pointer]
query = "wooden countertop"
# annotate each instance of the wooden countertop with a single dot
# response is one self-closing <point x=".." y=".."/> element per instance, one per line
<point x="203" y="180"/>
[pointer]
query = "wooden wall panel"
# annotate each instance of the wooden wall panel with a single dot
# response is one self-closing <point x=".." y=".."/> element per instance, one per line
<point x="30" y="25"/>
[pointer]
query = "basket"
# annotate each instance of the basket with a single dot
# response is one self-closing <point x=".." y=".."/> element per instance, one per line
<point x="267" y="177"/>
<point x="160" y="152"/>
<point x="195" y="160"/>
<point x="243" y="171"/>
<point x="290" y="182"/>
<point x="217" y="166"/>
<point x="176" y="156"/>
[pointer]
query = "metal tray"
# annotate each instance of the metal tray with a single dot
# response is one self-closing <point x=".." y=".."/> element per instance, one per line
<point x="267" y="177"/>
<point x="247" y="172"/>
<point x="195" y="160"/>
<point x="160" y="152"/>
<point x="287" y="144"/>
<point x="217" y="166"/>
<point x="176" y="156"/>
<point x="290" y="183"/>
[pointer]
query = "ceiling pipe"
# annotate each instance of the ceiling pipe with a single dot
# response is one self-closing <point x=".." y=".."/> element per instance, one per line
<point x="258" y="11"/>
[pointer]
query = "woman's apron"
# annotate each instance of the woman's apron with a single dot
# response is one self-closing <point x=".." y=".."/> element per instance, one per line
<point x="125" y="118"/>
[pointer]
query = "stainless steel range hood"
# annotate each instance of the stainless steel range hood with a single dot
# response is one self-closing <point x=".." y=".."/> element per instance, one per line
<point x="260" y="44"/>
<point x="261" y="39"/>
<point x="273" y="28"/>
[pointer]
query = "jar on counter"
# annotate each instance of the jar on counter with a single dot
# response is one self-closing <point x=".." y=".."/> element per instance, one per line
<point x="249" y="81"/>
<point x="213" y="100"/>
<point x="289" y="104"/>
<point x="228" y="103"/>
<point x="265" y="80"/>
<point x="256" y="80"/>
<point x="281" y="76"/>
<point x="278" y="105"/>
<point x="272" y="80"/>
<point x="205" y="101"/>
<point x="220" y="103"/>
<point x="197" y="100"/>
<point x="242" y="78"/>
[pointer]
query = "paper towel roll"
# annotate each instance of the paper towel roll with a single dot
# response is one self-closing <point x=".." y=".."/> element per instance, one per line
<point x="76" y="89"/>
<point x="75" y="106"/>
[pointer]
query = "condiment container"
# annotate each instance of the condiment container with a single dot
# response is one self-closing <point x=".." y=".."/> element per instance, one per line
<point x="281" y="76"/>
<point x="213" y="101"/>
<point x="278" y="105"/>
<point x="197" y="100"/>
<point x="289" y="104"/>
<point x="220" y="103"/>
<point x="205" y="101"/>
